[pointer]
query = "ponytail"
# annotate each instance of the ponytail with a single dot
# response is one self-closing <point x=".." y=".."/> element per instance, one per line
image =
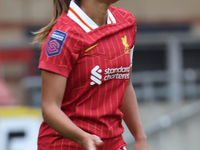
<point x="60" y="7"/>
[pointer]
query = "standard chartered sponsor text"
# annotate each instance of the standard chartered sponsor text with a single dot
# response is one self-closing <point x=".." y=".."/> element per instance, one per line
<point x="117" y="76"/>
<point x="117" y="70"/>
<point x="117" y="73"/>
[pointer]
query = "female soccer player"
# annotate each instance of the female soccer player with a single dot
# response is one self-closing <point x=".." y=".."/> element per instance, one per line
<point x="86" y="84"/>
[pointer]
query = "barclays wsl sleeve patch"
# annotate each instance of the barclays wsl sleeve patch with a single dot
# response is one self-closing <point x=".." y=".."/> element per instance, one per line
<point x="55" y="43"/>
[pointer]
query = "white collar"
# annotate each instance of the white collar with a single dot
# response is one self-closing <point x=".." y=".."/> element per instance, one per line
<point x="81" y="18"/>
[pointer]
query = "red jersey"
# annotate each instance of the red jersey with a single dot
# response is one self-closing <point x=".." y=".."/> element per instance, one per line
<point x="96" y="61"/>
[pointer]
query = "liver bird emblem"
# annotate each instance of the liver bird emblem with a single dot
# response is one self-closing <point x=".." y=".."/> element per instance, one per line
<point x="124" y="42"/>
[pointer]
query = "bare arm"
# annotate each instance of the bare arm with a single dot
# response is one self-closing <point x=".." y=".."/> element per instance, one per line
<point x="53" y="88"/>
<point x="132" y="117"/>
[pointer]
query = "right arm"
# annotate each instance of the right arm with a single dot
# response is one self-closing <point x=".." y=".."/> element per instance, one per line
<point x="53" y="88"/>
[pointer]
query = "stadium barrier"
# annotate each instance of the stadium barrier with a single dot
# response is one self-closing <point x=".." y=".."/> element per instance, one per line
<point x="19" y="128"/>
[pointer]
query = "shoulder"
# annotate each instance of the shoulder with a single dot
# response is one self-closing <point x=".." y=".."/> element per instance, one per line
<point x="67" y="30"/>
<point x="122" y="14"/>
<point x="63" y="36"/>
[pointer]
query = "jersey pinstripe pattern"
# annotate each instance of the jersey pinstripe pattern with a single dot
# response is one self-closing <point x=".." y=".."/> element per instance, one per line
<point x="106" y="64"/>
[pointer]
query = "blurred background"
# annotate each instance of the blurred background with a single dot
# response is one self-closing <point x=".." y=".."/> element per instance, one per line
<point x="166" y="72"/>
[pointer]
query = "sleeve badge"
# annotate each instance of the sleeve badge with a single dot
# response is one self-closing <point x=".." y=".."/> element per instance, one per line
<point x="55" y="43"/>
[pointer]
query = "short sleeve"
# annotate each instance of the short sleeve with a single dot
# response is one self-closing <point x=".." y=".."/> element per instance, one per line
<point x="57" y="53"/>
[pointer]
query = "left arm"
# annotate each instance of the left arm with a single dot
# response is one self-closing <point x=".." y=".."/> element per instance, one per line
<point x="132" y="117"/>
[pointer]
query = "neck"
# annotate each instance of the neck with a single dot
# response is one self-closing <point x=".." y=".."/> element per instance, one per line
<point x="96" y="10"/>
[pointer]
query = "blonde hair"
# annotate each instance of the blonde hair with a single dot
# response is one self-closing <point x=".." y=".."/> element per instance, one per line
<point x="60" y="7"/>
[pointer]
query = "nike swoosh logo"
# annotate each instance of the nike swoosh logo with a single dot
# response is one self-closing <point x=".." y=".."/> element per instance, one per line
<point x="91" y="47"/>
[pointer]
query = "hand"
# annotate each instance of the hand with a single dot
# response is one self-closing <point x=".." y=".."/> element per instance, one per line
<point x="91" y="141"/>
<point x="140" y="145"/>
